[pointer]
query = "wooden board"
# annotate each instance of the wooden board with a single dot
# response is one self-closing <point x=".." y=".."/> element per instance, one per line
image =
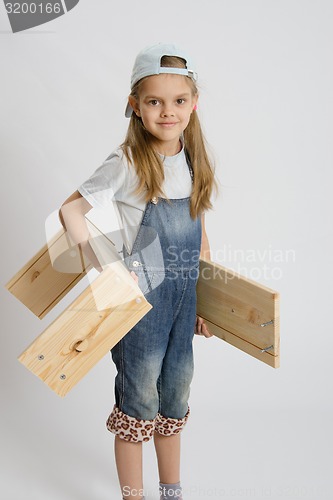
<point x="39" y="284"/>
<point x="50" y="274"/>
<point x="240" y="311"/>
<point x="95" y="321"/>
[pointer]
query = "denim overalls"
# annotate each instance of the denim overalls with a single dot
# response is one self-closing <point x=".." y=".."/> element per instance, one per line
<point x="154" y="360"/>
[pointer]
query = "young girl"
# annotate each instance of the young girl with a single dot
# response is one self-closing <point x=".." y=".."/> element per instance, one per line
<point x="162" y="181"/>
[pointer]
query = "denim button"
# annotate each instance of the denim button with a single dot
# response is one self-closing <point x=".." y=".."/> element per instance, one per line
<point x="136" y="263"/>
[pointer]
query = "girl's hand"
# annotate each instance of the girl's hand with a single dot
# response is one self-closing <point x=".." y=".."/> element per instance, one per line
<point x="201" y="328"/>
<point x="134" y="276"/>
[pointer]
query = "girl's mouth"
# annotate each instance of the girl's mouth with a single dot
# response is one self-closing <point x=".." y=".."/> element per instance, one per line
<point x="168" y="124"/>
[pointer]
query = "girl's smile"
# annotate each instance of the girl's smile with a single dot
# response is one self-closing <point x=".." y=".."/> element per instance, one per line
<point x="169" y="124"/>
<point x="165" y="105"/>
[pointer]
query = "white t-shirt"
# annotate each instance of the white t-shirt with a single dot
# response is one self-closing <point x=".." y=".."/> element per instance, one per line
<point x="110" y="190"/>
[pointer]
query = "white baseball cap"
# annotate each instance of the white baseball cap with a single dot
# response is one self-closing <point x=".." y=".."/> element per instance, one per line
<point x="148" y="62"/>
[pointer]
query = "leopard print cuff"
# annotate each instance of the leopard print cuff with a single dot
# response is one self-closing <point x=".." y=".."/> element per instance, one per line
<point x="130" y="428"/>
<point x="169" y="426"/>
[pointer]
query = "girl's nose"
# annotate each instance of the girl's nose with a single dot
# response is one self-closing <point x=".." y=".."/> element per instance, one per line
<point x="167" y="111"/>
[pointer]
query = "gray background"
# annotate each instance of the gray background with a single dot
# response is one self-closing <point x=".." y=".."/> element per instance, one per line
<point x="266" y="108"/>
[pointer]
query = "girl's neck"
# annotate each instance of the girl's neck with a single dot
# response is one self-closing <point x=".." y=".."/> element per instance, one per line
<point x="167" y="149"/>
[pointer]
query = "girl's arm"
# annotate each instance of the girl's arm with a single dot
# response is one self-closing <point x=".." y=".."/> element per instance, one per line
<point x="200" y="326"/>
<point x="71" y="215"/>
<point x="205" y="249"/>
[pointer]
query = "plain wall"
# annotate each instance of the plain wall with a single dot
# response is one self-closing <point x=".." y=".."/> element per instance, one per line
<point x="266" y="107"/>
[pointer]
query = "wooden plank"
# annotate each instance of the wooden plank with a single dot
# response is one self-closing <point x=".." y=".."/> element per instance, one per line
<point x="240" y="311"/>
<point x="56" y="268"/>
<point x="95" y="321"/>
<point x="40" y="284"/>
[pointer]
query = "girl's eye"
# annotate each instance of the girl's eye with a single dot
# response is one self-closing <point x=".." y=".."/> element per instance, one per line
<point x="153" y="102"/>
<point x="180" y="101"/>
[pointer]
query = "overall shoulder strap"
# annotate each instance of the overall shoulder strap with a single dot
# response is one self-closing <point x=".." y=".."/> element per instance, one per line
<point x="188" y="161"/>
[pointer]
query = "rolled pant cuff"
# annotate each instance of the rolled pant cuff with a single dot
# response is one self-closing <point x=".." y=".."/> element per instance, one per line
<point x="130" y="428"/>
<point x="168" y="426"/>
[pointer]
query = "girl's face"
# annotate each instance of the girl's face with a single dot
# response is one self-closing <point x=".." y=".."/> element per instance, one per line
<point x="165" y="105"/>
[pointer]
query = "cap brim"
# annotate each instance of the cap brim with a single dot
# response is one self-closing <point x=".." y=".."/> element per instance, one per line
<point x="128" y="110"/>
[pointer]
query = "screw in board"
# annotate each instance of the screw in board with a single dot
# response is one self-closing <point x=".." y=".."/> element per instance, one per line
<point x="41" y="357"/>
<point x="62" y="376"/>
<point x="271" y="322"/>
<point x="267" y="348"/>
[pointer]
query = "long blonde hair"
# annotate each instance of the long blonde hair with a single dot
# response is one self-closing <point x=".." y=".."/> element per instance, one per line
<point x="139" y="151"/>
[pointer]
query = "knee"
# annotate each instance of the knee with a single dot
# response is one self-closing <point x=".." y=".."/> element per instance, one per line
<point x="174" y="397"/>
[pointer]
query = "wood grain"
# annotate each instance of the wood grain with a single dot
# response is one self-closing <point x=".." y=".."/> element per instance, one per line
<point x="41" y="283"/>
<point x="234" y="309"/>
<point x="95" y="321"/>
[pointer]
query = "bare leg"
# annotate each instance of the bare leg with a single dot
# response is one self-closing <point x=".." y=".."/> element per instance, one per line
<point x="168" y="457"/>
<point x="129" y="466"/>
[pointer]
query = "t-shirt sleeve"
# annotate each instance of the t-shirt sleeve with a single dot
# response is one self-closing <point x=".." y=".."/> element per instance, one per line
<point x="107" y="183"/>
